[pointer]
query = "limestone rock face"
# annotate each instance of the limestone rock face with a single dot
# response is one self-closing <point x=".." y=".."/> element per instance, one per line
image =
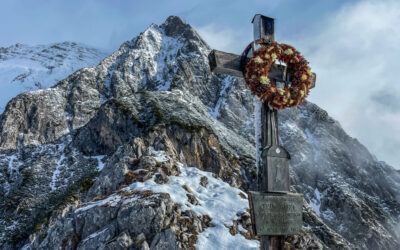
<point x="150" y="150"/>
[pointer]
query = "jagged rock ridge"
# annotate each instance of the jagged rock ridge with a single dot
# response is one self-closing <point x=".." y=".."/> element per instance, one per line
<point x="87" y="145"/>
<point x="24" y="67"/>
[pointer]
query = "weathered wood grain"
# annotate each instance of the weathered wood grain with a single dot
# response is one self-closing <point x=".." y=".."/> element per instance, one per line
<point x="225" y="63"/>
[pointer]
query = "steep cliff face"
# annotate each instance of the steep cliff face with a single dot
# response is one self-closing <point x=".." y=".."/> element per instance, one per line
<point x="149" y="149"/>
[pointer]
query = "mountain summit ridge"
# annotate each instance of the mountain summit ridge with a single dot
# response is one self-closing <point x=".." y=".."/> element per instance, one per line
<point x="25" y="67"/>
<point x="102" y="142"/>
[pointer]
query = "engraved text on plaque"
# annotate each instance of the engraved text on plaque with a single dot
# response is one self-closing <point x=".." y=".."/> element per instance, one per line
<point x="276" y="213"/>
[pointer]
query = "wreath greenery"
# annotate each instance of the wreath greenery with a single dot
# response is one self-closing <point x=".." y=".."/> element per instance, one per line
<point x="256" y="75"/>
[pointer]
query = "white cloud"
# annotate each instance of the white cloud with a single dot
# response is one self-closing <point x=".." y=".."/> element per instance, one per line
<point x="223" y="38"/>
<point x="355" y="54"/>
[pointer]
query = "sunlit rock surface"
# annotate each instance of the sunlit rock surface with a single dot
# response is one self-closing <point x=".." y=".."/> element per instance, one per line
<point x="150" y="150"/>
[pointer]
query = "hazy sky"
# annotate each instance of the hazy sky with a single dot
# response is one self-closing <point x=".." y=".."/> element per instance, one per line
<point x="353" y="46"/>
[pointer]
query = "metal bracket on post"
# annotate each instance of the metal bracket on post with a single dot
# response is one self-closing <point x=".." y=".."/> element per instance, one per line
<point x="274" y="158"/>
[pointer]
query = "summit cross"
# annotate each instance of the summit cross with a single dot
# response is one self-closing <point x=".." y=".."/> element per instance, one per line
<point x="274" y="210"/>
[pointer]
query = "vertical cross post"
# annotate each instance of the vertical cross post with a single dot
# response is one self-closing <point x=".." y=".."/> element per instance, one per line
<point x="263" y="28"/>
<point x="266" y="178"/>
<point x="274" y="211"/>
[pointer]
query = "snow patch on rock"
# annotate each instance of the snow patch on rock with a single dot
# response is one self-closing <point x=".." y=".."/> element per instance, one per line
<point x="24" y="68"/>
<point x="218" y="200"/>
<point x="315" y="203"/>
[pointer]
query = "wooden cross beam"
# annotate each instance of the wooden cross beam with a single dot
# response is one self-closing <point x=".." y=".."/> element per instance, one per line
<point x="228" y="63"/>
<point x="272" y="200"/>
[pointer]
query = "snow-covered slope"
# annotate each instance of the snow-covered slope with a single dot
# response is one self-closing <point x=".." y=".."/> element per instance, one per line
<point x="114" y="156"/>
<point x="24" y="68"/>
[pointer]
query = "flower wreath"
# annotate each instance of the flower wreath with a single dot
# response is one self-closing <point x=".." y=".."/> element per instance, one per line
<point x="256" y="75"/>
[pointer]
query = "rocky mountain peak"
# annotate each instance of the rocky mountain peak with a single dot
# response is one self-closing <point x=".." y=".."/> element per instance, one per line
<point x="149" y="149"/>
<point x="175" y="27"/>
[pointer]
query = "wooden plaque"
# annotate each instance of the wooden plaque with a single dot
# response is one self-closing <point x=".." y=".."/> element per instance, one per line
<point x="276" y="213"/>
